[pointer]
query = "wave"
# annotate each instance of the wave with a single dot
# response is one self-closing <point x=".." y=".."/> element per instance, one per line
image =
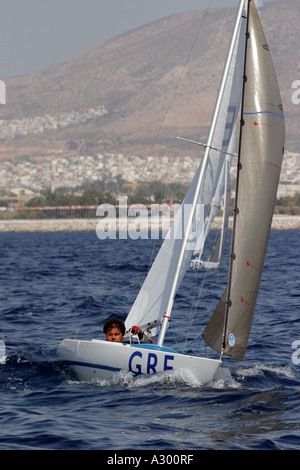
<point x="225" y="378"/>
<point x="260" y="370"/>
<point x="125" y="379"/>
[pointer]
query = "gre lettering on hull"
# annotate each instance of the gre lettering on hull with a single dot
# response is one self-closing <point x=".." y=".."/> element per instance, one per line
<point x="149" y="363"/>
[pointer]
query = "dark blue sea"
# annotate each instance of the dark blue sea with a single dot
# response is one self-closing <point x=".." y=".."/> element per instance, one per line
<point x="62" y="285"/>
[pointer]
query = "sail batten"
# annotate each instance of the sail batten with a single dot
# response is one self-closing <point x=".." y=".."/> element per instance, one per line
<point x="261" y="152"/>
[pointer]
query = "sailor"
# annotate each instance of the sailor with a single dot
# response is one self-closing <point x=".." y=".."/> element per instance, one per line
<point x="114" y="330"/>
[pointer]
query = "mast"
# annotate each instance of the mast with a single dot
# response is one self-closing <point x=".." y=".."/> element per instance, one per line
<point x="235" y="208"/>
<point x="167" y="314"/>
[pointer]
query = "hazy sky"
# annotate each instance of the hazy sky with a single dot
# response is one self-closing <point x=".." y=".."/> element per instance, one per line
<point x="36" y="34"/>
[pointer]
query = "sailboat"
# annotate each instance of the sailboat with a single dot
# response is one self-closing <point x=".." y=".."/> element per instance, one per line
<point x="248" y="69"/>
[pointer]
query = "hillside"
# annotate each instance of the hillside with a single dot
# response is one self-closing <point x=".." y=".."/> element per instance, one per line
<point x="132" y="86"/>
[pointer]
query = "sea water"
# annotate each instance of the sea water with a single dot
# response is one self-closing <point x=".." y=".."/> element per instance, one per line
<point x="65" y="285"/>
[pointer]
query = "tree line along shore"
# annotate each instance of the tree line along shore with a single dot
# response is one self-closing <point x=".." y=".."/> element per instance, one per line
<point x="89" y="196"/>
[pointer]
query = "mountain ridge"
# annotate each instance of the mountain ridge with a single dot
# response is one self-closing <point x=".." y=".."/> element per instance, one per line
<point x="134" y="78"/>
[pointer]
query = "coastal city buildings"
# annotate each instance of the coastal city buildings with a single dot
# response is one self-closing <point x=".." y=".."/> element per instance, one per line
<point x="31" y="177"/>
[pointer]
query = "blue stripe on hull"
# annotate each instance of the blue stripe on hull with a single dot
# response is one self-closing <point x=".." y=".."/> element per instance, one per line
<point x="93" y="366"/>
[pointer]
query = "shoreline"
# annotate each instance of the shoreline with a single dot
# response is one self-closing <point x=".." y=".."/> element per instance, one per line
<point x="279" y="222"/>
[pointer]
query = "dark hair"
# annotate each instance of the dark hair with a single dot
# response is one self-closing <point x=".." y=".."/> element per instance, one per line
<point x="114" y="323"/>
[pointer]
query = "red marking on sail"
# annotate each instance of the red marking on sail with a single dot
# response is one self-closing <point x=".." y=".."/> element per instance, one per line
<point x="249" y="264"/>
<point x="261" y="124"/>
<point x="243" y="300"/>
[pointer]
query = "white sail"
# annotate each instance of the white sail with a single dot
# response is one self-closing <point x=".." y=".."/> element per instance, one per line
<point x="151" y="302"/>
<point x="160" y="286"/>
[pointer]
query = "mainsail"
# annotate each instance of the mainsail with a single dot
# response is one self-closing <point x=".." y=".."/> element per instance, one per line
<point x="160" y="286"/>
<point x="260" y="159"/>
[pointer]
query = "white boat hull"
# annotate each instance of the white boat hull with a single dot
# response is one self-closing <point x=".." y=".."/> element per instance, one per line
<point x="97" y="359"/>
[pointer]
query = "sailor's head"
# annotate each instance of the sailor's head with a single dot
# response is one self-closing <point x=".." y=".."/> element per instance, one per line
<point x="114" y="330"/>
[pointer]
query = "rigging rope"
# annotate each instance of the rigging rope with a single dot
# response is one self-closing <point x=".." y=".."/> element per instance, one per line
<point x="194" y="308"/>
<point x="184" y="349"/>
